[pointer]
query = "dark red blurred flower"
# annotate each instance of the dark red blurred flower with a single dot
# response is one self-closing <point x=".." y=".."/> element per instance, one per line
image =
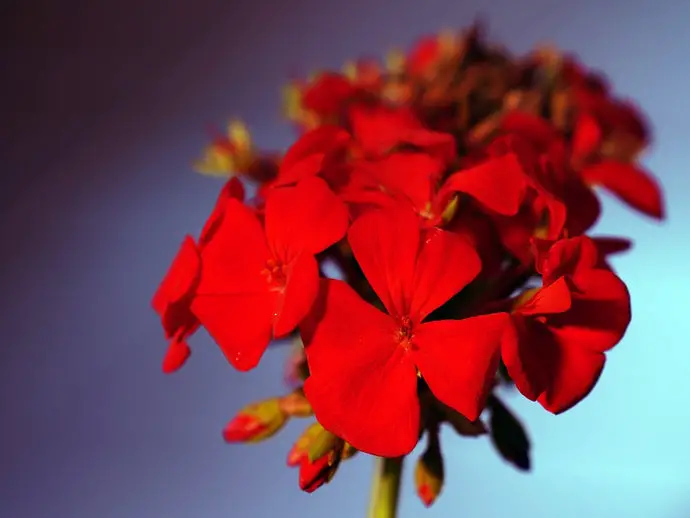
<point x="379" y="129"/>
<point x="328" y="94"/>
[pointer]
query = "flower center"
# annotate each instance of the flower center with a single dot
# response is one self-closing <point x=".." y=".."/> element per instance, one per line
<point x="427" y="212"/>
<point x="405" y="333"/>
<point x="275" y="273"/>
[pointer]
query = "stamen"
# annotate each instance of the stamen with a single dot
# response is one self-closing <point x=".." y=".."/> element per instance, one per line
<point x="427" y="213"/>
<point x="405" y="333"/>
<point x="276" y="275"/>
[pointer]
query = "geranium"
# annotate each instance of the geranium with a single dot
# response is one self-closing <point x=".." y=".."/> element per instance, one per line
<point x="452" y="190"/>
<point x="365" y="364"/>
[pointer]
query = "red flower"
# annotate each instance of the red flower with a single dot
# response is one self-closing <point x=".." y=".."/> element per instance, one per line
<point x="176" y="292"/>
<point x="414" y="179"/>
<point x="328" y="94"/>
<point x="616" y="120"/>
<point x="561" y="331"/>
<point x="376" y="130"/>
<point x="258" y="283"/>
<point x="551" y="162"/>
<point x="379" y="129"/>
<point x="364" y="363"/>
<point x="623" y="178"/>
<point x="541" y="213"/>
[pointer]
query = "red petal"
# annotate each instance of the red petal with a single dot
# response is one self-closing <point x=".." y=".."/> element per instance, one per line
<point x="587" y="136"/>
<point x="610" y="246"/>
<point x="233" y="189"/>
<point x="530" y="353"/>
<point x="183" y="273"/>
<point x="234" y="258"/>
<point x="630" y="183"/>
<point x="362" y="387"/>
<point x="553" y="298"/>
<point x="424" y="55"/>
<point x="607" y="245"/>
<point x="378" y="129"/>
<point x="576" y="372"/>
<point x="305" y="157"/>
<point x="328" y="94"/>
<point x="540" y="250"/>
<point x="535" y="129"/>
<point x="556" y="372"/>
<point x="308" y="217"/>
<point x="361" y="196"/>
<point x="583" y="207"/>
<point x="499" y="184"/>
<point x="439" y="145"/>
<point x="564" y="257"/>
<point x="600" y="311"/>
<point x="385" y="244"/>
<point x="233" y="302"/>
<point x="240" y="324"/>
<point x="308" y="167"/>
<point x="408" y="176"/>
<point x="515" y="233"/>
<point x="177" y="354"/>
<point x="458" y="359"/>
<point x="446" y="263"/>
<point x="300" y="292"/>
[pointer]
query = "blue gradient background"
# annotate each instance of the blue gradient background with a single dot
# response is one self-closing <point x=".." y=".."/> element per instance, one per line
<point x="105" y="105"/>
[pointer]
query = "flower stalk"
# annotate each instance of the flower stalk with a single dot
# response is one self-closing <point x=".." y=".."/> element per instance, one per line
<point x="385" y="487"/>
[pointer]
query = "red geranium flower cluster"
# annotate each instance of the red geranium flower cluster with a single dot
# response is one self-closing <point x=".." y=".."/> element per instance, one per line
<point x="442" y="186"/>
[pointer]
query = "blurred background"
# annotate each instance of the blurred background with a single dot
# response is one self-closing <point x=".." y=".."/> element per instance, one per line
<point x="104" y="105"/>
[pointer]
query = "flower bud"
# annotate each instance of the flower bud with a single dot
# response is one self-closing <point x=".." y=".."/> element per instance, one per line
<point x="322" y="444"/>
<point x="296" y="404"/>
<point x="256" y="422"/>
<point x="318" y="454"/>
<point x="428" y="474"/>
<point x="300" y="449"/>
<point x="314" y="474"/>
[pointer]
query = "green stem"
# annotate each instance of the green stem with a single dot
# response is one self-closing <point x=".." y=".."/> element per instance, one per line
<point x="385" y="488"/>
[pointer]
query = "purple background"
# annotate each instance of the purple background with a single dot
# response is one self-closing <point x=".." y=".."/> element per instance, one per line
<point x="105" y="105"/>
